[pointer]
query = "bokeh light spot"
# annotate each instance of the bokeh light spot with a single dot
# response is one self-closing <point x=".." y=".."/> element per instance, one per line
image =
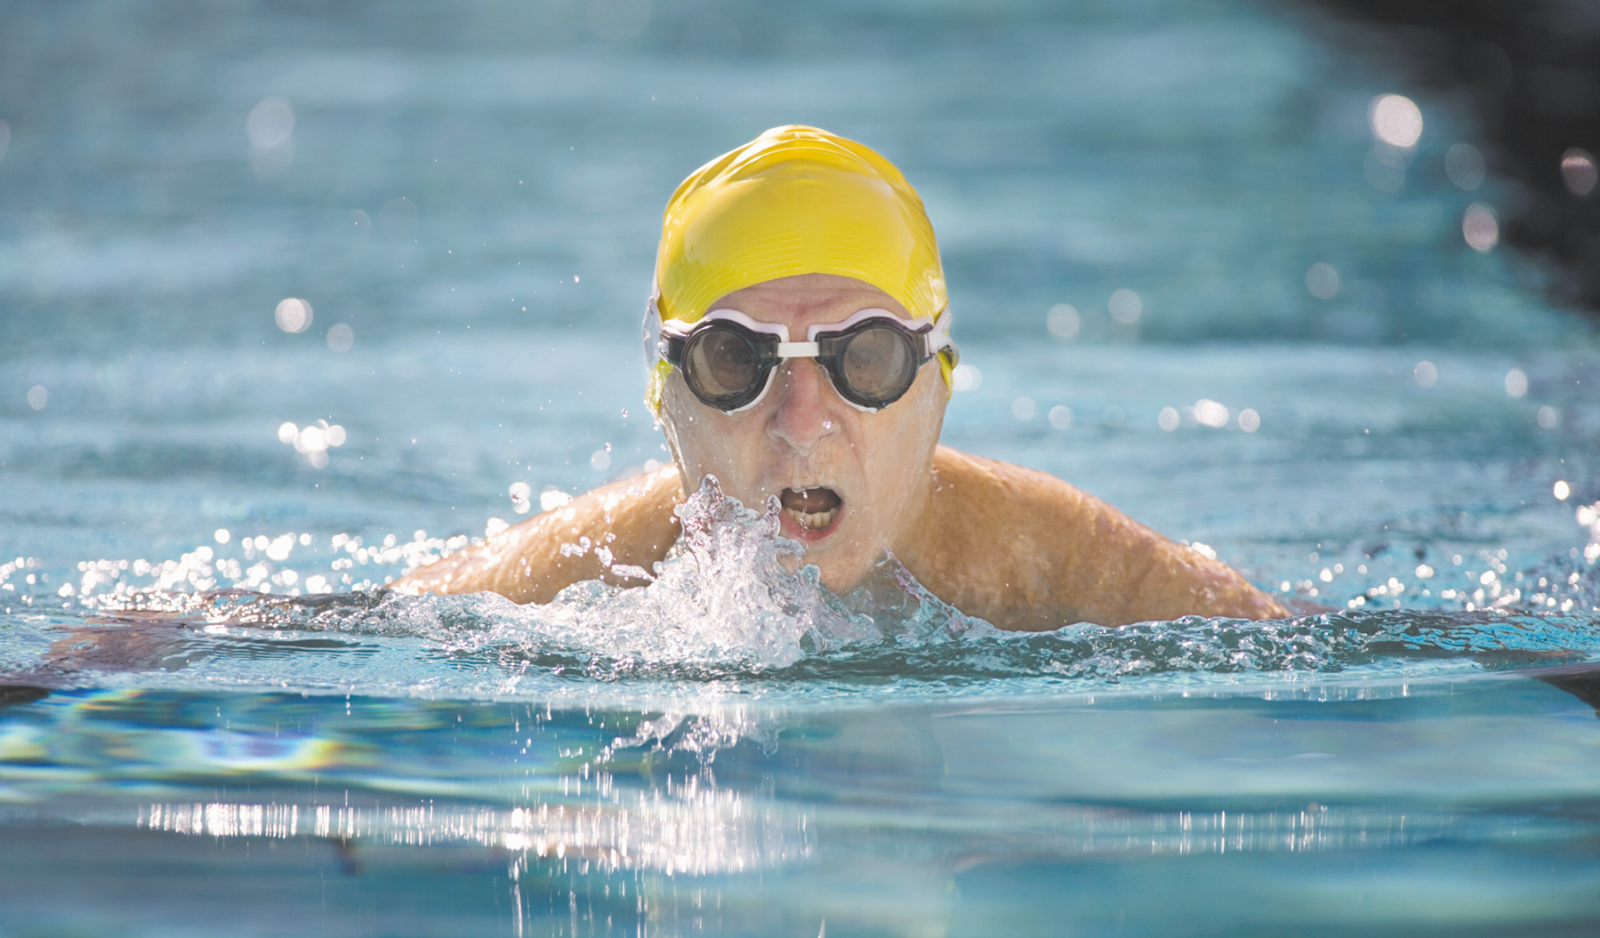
<point x="1395" y="119"/>
<point x="618" y="20"/>
<point x="1023" y="408"/>
<point x="1249" y="420"/>
<point x="1063" y="321"/>
<point x="293" y="315"/>
<point x="1562" y="489"/>
<point x="1549" y="417"/>
<point x="1480" y="227"/>
<point x="1385" y="167"/>
<point x="341" y="337"/>
<point x="1426" y="374"/>
<point x="1126" y="307"/>
<point x="1464" y="165"/>
<point x="1168" y="419"/>
<point x="521" y="497"/>
<point x="38" y="397"/>
<point x="1210" y="413"/>
<point x="1061" y="417"/>
<point x="966" y="378"/>
<point x="270" y="122"/>
<point x="1579" y="172"/>
<point x="1322" y="280"/>
<point x="1516" y="382"/>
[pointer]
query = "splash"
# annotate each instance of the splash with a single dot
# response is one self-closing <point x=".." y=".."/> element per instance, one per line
<point x="723" y="595"/>
<point x="724" y="607"/>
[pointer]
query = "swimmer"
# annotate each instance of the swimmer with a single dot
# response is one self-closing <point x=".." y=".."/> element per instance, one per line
<point x="800" y="338"/>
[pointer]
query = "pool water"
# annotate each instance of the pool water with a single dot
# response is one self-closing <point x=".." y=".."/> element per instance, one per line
<point x="213" y="722"/>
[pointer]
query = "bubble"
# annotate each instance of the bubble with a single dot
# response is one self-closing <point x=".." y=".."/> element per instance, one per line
<point x="287" y="432"/>
<point x="521" y="497"/>
<point x="1023" y="408"/>
<point x="1579" y="172"/>
<point x="38" y="396"/>
<point x="1396" y="120"/>
<point x="966" y="378"/>
<point x="1063" y="321"/>
<point x="600" y="460"/>
<point x="1426" y="373"/>
<point x="1125" y="307"/>
<point x="1562" y="490"/>
<point x="1210" y="413"/>
<point x="1060" y="417"/>
<point x="292" y="315"/>
<point x="1249" y="420"/>
<point x="270" y="122"/>
<point x="1322" y="280"/>
<point x="1168" y="419"/>
<point x="1464" y="165"/>
<point x="222" y="536"/>
<point x="1548" y="417"/>
<point x="1516" y="382"/>
<point x="1480" y="227"/>
<point x="341" y="337"/>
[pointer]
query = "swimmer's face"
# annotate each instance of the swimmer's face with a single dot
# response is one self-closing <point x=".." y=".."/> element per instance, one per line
<point x="853" y="484"/>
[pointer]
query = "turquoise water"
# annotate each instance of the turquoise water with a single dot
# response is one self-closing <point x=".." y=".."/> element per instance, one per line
<point x="214" y="724"/>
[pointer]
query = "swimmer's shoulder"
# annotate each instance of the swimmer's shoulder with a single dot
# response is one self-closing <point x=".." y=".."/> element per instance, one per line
<point x="629" y="521"/>
<point x="1038" y="553"/>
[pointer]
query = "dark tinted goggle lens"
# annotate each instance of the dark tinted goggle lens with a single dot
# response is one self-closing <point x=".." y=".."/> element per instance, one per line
<point x="873" y="365"/>
<point x="727" y="366"/>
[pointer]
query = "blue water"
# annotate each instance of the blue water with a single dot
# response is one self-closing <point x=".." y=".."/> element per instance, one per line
<point x="214" y="723"/>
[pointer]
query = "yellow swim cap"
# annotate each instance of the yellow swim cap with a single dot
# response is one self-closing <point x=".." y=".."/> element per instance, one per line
<point x="795" y="200"/>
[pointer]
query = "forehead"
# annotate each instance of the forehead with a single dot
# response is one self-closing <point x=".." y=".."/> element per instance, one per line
<point x="809" y="298"/>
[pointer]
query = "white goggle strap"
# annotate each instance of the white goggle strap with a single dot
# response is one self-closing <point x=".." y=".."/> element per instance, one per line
<point x="939" y="339"/>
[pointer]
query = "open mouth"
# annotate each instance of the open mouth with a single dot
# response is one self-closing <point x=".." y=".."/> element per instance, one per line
<point x="812" y="509"/>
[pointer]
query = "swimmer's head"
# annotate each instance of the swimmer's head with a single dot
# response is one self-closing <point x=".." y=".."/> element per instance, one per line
<point x="796" y="200"/>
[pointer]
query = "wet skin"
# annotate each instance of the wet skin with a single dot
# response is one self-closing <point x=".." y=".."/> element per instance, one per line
<point x="1017" y="547"/>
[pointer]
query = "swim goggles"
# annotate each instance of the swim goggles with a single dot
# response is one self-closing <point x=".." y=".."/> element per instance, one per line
<point x="729" y="360"/>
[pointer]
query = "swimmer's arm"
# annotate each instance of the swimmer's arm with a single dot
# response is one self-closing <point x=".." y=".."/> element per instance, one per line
<point x="632" y="519"/>
<point x="1027" y="551"/>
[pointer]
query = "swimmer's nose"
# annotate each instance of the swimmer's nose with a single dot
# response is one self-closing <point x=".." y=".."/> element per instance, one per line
<point x="802" y="413"/>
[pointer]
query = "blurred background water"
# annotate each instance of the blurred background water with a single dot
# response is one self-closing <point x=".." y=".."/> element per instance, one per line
<point x="292" y="295"/>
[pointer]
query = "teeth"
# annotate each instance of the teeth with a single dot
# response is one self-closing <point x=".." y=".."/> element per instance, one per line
<point x="814" y="521"/>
